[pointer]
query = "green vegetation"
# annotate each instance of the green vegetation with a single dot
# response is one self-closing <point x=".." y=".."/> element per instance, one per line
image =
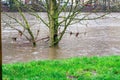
<point x="84" y="68"/>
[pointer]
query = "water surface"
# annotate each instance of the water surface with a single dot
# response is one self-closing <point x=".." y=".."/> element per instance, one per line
<point x="98" y="38"/>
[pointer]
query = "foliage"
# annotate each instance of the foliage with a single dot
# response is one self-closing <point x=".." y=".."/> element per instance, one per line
<point x="83" y="68"/>
<point x="115" y="8"/>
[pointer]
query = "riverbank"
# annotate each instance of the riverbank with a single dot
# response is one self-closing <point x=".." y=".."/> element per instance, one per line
<point x="81" y="68"/>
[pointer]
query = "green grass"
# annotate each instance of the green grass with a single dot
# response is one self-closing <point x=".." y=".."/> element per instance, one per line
<point x="83" y="68"/>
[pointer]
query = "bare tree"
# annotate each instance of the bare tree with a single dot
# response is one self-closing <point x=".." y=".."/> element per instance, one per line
<point x="54" y="9"/>
<point x="25" y="24"/>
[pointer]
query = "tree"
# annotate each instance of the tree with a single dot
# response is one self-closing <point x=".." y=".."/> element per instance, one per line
<point x="54" y="8"/>
<point x="25" y="24"/>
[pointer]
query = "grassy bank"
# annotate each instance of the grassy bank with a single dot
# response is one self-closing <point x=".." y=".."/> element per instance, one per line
<point x="84" y="68"/>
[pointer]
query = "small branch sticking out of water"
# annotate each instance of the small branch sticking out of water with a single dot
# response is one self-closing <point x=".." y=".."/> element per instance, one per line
<point x="45" y="38"/>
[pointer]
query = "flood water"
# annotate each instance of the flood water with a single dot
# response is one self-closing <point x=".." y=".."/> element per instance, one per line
<point x="98" y="38"/>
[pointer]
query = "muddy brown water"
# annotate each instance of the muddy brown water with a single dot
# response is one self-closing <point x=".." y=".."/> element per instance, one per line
<point x="99" y="38"/>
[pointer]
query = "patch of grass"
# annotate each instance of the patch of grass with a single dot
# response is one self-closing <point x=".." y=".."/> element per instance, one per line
<point x="83" y="68"/>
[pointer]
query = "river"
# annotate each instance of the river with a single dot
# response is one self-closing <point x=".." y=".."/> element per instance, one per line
<point x="99" y="37"/>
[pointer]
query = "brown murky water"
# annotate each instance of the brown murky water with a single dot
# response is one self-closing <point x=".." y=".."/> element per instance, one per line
<point x="99" y="38"/>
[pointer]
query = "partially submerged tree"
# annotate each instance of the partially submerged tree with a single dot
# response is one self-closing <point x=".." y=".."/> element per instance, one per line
<point x="24" y="24"/>
<point x="54" y="9"/>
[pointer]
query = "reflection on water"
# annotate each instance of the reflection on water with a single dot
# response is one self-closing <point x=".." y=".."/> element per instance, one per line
<point x="53" y="52"/>
<point x="100" y="38"/>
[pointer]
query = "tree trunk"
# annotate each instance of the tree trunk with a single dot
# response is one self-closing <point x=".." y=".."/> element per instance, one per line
<point x="53" y="35"/>
<point x="32" y="37"/>
<point x="53" y="23"/>
<point x="108" y="4"/>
